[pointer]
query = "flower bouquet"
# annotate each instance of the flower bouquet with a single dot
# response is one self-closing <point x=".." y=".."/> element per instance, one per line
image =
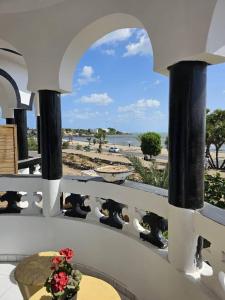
<point x="64" y="282"/>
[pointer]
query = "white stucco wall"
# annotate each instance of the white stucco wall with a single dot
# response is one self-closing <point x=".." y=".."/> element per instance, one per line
<point x="139" y="266"/>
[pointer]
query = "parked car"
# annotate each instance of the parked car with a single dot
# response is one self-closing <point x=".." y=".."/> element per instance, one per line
<point x="114" y="150"/>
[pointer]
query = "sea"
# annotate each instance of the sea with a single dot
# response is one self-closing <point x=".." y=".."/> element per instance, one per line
<point x="130" y="138"/>
<point x="122" y="139"/>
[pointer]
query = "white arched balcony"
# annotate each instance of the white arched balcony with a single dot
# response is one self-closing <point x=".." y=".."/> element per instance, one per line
<point x="52" y="35"/>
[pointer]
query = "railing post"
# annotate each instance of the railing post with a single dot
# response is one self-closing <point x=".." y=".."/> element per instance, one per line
<point x="186" y="159"/>
<point x="51" y="150"/>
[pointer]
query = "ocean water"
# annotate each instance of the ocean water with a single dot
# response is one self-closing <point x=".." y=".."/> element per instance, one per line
<point x="131" y="139"/>
<point x="123" y="140"/>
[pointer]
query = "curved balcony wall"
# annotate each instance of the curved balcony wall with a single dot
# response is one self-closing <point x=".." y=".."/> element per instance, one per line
<point x="141" y="267"/>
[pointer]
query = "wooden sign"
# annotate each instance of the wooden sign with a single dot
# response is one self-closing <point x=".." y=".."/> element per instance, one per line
<point x="8" y="150"/>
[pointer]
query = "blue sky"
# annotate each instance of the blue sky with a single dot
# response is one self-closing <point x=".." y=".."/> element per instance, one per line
<point x="114" y="86"/>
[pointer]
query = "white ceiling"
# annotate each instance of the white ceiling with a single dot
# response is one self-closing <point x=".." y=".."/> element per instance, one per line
<point x="15" y="6"/>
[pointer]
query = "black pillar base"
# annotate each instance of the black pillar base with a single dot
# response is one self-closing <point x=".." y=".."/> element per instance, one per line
<point x="51" y="135"/>
<point x="187" y="134"/>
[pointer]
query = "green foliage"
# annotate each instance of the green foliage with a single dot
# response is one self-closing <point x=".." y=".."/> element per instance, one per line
<point x="79" y="147"/>
<point x="151" y="175"/>
<point x="32" y="144"/>
<point x="215" y="190"/>
<point x="87" y="148"/>
<point x="214" y="184"/>
<point x="65" y="145"/>
<point x="215" y="134"/>
<point x="112" y="131"/>
<point x="151" y="143"/>
<point x="100" y="136"/>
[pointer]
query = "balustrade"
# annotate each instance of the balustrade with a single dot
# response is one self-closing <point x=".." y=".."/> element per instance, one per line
<point x="136" y="210"/>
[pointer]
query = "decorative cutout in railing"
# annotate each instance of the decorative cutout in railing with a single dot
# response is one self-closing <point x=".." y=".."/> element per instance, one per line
<point x="12" y="198"/>
<point x="115" y="216"/>
<point x="119" y="209"/>
<point x="78" y="208"/>
<point x="157" y="226"/>
<point x="25" y="197"/>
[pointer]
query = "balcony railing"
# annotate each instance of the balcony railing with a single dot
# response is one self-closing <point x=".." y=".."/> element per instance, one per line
<point x="117" y="229"/>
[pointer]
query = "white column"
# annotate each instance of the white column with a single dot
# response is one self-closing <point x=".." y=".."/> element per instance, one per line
<point x="182" y="243"/>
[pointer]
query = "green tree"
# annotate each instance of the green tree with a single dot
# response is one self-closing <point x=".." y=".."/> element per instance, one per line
<point x="100" y="136"/>
<point x="215" y="190"/>
<point x="112" y="131"/>
<point x="32" y="144"/>
<point x="215" y="135"/>
<point x="151" y="143"/>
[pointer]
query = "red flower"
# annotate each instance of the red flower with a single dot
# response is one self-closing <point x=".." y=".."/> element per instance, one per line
<point x="56" y="260"/>
<point x="59" y="281"/>
<point x="67" y="252"/>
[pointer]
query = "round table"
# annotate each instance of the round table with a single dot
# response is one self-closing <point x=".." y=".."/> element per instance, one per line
<point x="32" y="272"/>
<point x="91" y="288"/>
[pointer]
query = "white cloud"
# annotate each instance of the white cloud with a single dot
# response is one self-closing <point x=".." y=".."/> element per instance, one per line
<point x="99" y="99"/>
<point x="87" y="75"/>
<point x="110" y="52"/>
<point x="139" y="106"/>
<point x="141" y="47"/>
<point x="143" y="109"/>
<point x="114" y="37"/>
<point x="87" y="71"/>
<point x="223" y="91"/>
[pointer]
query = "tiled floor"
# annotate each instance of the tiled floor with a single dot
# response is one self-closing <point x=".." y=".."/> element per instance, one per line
<point x="8" y="287"/>
<point x="10" y="291"/>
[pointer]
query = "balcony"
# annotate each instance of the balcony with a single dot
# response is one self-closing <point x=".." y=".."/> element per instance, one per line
<point x="119" y="231"/>
<point x="123" y="254"/>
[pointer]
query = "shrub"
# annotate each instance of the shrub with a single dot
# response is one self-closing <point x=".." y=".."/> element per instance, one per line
<point x="32" y="144"/>
<point x="215" y="190"/>
<point x="65" y="145"/>
<point x="214" y="184"/>
<point x="87" y="148"/>
<point x="79" y="147"/>
<point x="151" y="175"/>
<point x="151" y="143"/>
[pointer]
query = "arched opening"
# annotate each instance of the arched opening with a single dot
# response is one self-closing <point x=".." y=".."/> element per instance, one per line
<point x="87" y="37"/>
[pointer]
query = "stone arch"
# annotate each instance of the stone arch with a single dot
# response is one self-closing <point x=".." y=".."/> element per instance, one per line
<point x="86" y="37"/>
<point x="10" y="96"/>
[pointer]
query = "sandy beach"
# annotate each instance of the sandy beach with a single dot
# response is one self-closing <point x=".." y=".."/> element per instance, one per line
<point x="82" y="157"/>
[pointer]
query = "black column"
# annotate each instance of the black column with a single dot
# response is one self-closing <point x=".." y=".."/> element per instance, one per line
<point x="187" y="134"/>
<point x="10" y="121"/>
<point x="21" y="122"/>
<point x="38" y="134"/>
<point x="51" y="136"/>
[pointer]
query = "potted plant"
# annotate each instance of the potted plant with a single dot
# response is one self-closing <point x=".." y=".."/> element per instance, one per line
<point x="64" y="281"/>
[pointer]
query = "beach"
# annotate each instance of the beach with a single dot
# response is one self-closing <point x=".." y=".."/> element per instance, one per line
<point x="86" y="159"/>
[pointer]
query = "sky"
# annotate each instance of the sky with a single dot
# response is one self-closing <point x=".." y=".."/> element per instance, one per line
<point x="114" y="85"/>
